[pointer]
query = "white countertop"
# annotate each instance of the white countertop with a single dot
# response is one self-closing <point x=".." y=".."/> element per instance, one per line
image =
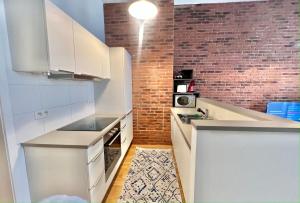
<point x="72" y="139"/>
<point x="242" y="119"/>
<point x="186" y="129"/>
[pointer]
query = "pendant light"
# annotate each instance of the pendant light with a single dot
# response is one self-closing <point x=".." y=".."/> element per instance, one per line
<point x="143" y="9"/>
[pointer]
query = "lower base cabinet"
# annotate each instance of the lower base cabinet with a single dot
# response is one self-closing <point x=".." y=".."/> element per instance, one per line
<point x="72" y="171"/>
<point x="126" y="133"/>
<point x="66" y="171"/>
<point x="182" y="154"/>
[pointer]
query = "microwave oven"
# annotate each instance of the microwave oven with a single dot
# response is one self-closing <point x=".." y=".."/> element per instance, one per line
<point x="185" y="100"/>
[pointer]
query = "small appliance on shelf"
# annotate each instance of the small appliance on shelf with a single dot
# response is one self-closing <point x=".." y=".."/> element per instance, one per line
<point x="184" y="94"/>
<point x="185" y="100"/>
<point x="182" y="88"/>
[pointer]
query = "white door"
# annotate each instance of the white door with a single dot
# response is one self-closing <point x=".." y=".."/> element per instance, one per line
<point x="60" y="39"/>
<point x="105" y="61"/>
<point x="87" y="52"/>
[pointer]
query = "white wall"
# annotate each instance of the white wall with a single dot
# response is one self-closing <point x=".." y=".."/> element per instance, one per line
<point x="89" y="13"/>
<point x="23" y="94"/>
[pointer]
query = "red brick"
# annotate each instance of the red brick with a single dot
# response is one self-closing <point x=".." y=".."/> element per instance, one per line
<point x="245" y="54"/>
<point x="152" y="69"/>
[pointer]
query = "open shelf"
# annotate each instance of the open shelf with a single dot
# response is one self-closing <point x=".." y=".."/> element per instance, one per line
<point x="182" y="79"/>
<point x="185" y="92"/>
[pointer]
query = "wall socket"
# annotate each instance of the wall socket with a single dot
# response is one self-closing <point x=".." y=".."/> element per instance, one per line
<point x="41" y="114"/>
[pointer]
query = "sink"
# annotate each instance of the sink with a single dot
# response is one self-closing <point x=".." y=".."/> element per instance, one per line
<point x="186" y="118"/>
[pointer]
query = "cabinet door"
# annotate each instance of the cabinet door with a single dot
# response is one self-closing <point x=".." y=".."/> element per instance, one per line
<point x="87" y="52"/>
<point x="128" y="81"/>
<point x="129" y="128"/>
<point x="183" y="157"/>
<point x="97" y="193"/>
<point x="96" y="169"/>
<point x="60" y="39"/>
<point x="105" y="61"/>
<point x="124" y="135"/>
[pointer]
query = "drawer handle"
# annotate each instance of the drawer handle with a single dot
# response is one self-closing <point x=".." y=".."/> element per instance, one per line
<point x="123" y="127"/>
<point x="96" y="157"/>
<point x="97" y="182"/>
<point x="118" y="135"/>
<point x="124" y="140"/>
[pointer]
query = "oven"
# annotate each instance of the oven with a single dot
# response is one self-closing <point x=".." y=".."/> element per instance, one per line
<point x="112" y="149"/>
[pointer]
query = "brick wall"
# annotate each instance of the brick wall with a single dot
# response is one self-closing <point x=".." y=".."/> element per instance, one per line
<point x="242" y="53"/>
<point x="152" y="67"/>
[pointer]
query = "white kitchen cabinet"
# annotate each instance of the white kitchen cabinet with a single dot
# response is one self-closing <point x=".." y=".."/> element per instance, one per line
<point x="87" y="52"/>
<point x="182" y="154"/>
<point x="91" y="55"/>
<point x="45" y="39"/>
<point x="115" y="96"/>
<point x="130" y="127"/>
<point x="60" y="39"/>
<point x="40" y="36"/>
<point x="105" y="61"/>
<point x="126" y="133"/>
<point x="127" y="80"/>
<point x="69" y="171"/>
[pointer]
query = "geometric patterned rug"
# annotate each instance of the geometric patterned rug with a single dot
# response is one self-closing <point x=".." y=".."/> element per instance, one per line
<point x="151" y="178"/>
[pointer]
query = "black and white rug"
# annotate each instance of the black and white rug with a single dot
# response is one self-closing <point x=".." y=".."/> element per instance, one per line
<point x="151" y="178"/>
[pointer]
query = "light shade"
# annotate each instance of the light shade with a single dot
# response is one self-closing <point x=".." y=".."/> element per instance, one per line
<point x="143" y="10"/>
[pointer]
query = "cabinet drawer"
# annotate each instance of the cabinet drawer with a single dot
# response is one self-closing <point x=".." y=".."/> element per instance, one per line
<point x="98" y="191"/>
<point x="124" y="134"/>
<point x="96" y="168"/>
<point x="95" y="150"/>
<point x="123" y="138"/>
<point x="124" y="130"/>
<point x="123" y="122"/>
<point x="125" y="146"/>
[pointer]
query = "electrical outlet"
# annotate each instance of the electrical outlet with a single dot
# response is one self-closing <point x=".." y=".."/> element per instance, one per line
<point x="40" y="114"/>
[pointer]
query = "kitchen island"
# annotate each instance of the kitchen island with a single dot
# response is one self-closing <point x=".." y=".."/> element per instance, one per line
<point x="239" y="155"/>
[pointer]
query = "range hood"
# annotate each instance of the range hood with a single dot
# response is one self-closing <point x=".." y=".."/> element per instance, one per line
<point x="70" y="76"/>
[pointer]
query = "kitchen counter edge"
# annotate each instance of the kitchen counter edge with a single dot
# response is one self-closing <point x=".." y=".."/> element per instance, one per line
<point x="95" y="136"/>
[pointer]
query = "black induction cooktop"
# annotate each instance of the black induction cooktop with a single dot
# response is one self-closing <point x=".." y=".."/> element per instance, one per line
<point x="92" y="123"/>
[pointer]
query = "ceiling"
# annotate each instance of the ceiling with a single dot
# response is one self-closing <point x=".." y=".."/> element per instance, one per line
<point x="181" y="2"/>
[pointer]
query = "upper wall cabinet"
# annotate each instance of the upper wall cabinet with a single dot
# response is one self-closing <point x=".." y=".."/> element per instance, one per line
<point x="87" y="52"/>
<point x="40" y="36"/>
<point x="91" y="55"/>
<point x="105" y="60"/>
<point x="44" y="39"/>
<point x="60" y="39"/>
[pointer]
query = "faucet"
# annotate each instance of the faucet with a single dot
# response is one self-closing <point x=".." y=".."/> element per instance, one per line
<point x="205" y="113"/>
